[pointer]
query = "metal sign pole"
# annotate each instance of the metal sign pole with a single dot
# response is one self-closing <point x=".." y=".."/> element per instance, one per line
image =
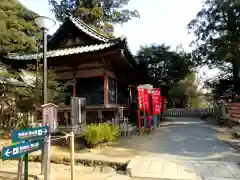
<point x="47" y="149"/>
<point x="26" y="166"/>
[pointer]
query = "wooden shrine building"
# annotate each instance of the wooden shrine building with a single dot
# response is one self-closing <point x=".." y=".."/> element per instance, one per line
<point x="101" y="68"/>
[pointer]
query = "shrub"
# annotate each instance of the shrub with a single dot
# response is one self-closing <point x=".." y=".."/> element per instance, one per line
<point x="99" y="133"/>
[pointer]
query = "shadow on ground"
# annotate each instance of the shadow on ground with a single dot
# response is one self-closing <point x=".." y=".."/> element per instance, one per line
<point x="5" y="175"/>
<point x="181" y="138"/>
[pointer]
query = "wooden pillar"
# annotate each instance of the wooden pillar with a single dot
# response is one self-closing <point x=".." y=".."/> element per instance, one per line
<point x="100" y="115"/>
<point x="74" y="82"/>
<point x="130" y="94"/>
<point x="66" y="118"/>
<point x="116" y="85"/>
<point x="129" y="100"/>
<point x="105" y="89"/>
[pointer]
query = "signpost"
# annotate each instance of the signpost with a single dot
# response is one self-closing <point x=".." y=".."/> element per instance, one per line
<point x="18" y="150"/>
<point x="30" y="134"/>
<point x="31" y="139"/>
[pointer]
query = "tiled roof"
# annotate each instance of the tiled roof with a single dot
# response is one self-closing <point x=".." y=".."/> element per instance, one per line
<point x="85" y="29"/>
<point x="88" y="30"/>
<point x="62" y="52"/>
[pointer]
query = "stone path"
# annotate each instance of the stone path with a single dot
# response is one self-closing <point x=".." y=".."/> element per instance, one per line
<point x="186" y="170"/>
<point x="186" y="148"/>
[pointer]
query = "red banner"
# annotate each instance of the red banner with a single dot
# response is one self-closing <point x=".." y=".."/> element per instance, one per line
<point x="140" y="98"/>
<point x="156" y="101"/>
<point x="146" y="101"/>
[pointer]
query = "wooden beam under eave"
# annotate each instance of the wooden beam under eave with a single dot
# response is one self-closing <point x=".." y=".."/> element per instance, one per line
<point x="106" y="89"/>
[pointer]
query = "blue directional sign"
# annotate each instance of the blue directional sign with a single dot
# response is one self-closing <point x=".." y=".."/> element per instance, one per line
<point x="30" y="134"/>
<point x="19" y="150"/>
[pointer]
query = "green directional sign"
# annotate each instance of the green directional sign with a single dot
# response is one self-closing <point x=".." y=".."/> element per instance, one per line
<point x="19" y="150"/>
<point x="30" y="134"/>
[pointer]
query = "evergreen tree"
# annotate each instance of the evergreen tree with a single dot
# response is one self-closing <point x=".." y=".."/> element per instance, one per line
<point x="17" y="30"/>
<point x="164" y="66"/>
<point x="100" y="14"/>
<point x="216" y="27"/>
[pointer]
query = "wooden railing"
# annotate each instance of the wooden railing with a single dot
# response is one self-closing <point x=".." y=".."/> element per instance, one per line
<point x="189" y="112"/>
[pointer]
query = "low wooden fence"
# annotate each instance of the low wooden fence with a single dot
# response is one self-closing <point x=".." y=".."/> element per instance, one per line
<point x="189" y="112"/>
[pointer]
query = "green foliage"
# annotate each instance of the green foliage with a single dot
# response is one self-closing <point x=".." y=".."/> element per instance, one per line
<point x="98" y="13"/>
<point x="216" y="28"/>
<point x="198" y="102"/>
<point x="164" y="66"/>
<point x="184" y="92"/>
<point x="220" y="85"/>
<point x="17" y="31"/>
<point x="186" y="86"/>
<point x="22" y="91"/>
<point x="99" y="133"/>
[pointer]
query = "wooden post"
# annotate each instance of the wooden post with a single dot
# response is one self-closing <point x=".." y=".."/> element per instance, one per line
<point x="20" y="168"/>
<point x="72" y="156"/>
<point x="106" y="89"/>
<point x="66" y="118"/>
<point x="74" y="87"/>
<point x="100" y="116"/>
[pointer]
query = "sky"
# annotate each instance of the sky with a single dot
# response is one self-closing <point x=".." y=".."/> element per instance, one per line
<point x="161" y="21"/>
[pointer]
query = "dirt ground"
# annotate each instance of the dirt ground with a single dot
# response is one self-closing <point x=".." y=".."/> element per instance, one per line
<point x="8" y="170"/>
<point x="110" y="153"/>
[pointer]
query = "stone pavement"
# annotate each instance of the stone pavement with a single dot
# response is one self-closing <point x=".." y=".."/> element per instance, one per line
<point x="186" y="170"/>
<point x="186" y="148"/>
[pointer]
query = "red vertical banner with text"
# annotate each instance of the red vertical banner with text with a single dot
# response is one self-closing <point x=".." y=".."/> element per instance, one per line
<point x="140" y="98"/>
<point x="156" y="101"/>
<point x="160" y="102"/>
<point x="146" y="101"/>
